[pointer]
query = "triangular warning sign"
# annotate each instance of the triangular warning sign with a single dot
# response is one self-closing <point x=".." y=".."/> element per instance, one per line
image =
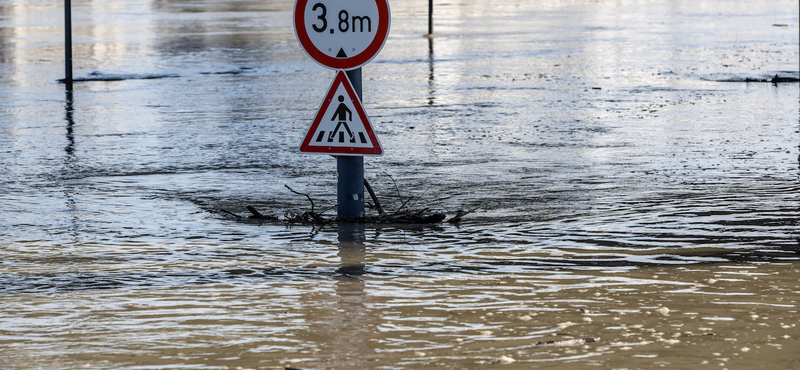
<point x="341" y="126"/>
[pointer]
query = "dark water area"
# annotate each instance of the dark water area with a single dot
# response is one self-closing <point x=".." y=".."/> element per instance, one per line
<point x="633" y="168"/>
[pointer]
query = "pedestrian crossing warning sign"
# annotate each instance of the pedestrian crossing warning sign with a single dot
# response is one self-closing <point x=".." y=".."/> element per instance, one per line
<point x="341" y="126"/>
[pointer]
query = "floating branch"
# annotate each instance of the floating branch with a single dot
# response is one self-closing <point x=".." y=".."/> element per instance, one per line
<point x="405" y="214"/>
<point x="231" y="213"/>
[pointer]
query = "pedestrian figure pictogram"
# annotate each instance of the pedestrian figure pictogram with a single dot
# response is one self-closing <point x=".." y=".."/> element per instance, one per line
<point x="341" y="126"/>
<point x="342" y="115"/>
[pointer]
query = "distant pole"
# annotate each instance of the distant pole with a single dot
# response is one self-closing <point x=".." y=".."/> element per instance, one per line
<point x="68" y="44"/>
<point x="430" y="17"/>
<point x="350" y="169"/>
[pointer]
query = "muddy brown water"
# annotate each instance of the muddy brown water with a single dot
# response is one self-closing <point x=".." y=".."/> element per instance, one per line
<point x="632" y="185"/>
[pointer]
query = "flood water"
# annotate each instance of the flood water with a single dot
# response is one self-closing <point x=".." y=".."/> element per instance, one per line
<point x="631" y="182"/>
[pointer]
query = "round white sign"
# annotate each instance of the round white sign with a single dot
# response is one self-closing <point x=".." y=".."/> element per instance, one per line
<point x="342" y="34"/>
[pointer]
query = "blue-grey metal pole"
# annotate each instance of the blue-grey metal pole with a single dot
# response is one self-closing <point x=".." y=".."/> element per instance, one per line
<point x="68" y="44"/>
<point x="350" y="189"/>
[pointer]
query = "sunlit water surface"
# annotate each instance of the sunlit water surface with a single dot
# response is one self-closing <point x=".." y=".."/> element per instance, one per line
<point x="628" y="184"/>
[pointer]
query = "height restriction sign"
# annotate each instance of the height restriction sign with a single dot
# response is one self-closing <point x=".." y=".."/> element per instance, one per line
<point x="341" y="34"/>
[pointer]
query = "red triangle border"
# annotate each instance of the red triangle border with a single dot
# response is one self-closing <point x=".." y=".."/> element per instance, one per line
<point x="305" y="147"/>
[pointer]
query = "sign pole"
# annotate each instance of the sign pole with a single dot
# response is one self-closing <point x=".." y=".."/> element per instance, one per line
<point x="350" y="170"/>
<point x="343" y="35"/>
<point x="430" y="17"/>
<point x="68" y="44"/>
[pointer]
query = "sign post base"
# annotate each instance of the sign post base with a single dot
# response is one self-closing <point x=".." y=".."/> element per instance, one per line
<point x="350" y="187"/>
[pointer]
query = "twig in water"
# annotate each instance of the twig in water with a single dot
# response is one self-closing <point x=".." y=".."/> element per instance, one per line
<point x="306" y="195"/>
<point x="461" y="213"/>
<point x="420" y="196"/>
<point x="256" y="213"/>
<point x="231" y="213"/>
<point x="258" y="216"/>
<point x="396" y="188"/>
<point x="374" y="197"/>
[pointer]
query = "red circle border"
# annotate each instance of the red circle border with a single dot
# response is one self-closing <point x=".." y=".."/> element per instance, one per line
<point x="349" y="63"/>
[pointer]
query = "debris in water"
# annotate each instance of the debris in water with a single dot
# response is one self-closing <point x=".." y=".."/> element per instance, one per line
<point x="699" y="334"/>
<point x="503" y="360"/>
<point x="567" y="342"/>
<point x="779" y="79"/>
<point x="256" y="215"/>
<point x="459" y="215"/>
<point x="405" y="214"/>
<point x="663" y="310"/>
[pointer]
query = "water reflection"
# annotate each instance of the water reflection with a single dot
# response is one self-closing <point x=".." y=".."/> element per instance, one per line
<point x="352" y="250"/>
<point x="69" y="111"/>
<point x="346" y="324"/>
<point x="70" y="165"/>
<point x="431" y="86"/>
